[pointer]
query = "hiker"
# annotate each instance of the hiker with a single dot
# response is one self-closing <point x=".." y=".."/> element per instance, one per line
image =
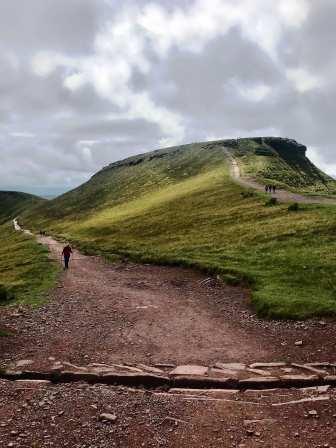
<point x="67" y="251"/>
<point x="266" y="188"/>
<point x="274" y="188"/>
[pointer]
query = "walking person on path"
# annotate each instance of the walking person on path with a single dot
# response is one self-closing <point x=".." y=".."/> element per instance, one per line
<point x="266" y="188"/>
<point x="67" y="251"/>
<point x="274" y="188"/>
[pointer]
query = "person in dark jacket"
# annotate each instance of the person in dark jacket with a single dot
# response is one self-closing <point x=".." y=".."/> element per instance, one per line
<point x="67" y="251"/>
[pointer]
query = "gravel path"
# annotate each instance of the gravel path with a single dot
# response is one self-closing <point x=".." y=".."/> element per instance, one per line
<point x="281" y="195"/>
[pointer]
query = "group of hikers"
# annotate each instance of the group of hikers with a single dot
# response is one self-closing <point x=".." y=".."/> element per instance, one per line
<point x="270" y="189"/>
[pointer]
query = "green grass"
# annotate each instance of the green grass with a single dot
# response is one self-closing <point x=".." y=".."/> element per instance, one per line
<point x="183" y="208"/>
<point x="25" y="269"/>
<point x="282" y="167"/>
<point x="12" y="203"/>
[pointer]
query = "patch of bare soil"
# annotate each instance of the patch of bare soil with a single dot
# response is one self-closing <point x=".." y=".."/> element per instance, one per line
<point x="83" y="416"/>
<point x="129" y="313"/>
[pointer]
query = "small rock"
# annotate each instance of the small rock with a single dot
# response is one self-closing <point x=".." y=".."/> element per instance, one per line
<point x="322" y="322"/>
<point x="298" y="343"/>
<point x="24" y="362"/>
<point x="108" y="417"/>
<point x="312" y="413"/>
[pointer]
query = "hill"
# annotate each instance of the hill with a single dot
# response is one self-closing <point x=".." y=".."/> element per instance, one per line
<point x="180" y="206"/>
<point x="12" y="203"/>
<point x="282" y="162"/>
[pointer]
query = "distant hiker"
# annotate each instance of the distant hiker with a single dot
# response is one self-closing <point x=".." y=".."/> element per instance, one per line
<point x="266" y="188"/>
<point x="274" y="188"/>
<point x="67" y="251"/>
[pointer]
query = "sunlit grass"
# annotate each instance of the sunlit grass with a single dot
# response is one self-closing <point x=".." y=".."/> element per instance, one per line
<point x="25" y="268"/>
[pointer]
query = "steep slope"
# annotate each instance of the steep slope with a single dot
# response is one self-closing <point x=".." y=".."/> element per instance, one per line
<point x="180" y="205"/>
<point x="282" y="162"/>
<point x="12" y="203"/>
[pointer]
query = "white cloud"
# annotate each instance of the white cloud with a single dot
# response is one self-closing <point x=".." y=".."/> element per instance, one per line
<point x="74" y="81"/>
<point x="254" y="93"/>
<point x="302" y="80"/>
<point x="87" y="155"/>
<point x="22" y="134"/>
<point x="315" y="156"/>
<point x="44" y="63"/>
<point x="294" y="12"/>
<point x="87" y="142"/>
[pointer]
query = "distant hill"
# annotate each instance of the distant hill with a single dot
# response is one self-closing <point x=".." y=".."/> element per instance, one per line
<point x="12" y="203"/>
<point x="180" y="205"/>
<point x="282" y="162"/>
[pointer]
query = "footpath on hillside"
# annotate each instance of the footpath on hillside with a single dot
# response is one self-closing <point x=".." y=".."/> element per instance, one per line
<point x="130" y="355"/>
<point x="281" y="195"/>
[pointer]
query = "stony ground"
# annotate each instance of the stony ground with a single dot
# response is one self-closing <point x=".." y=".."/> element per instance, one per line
<point x="84" y="416"/>
<point x="131" y="314"/>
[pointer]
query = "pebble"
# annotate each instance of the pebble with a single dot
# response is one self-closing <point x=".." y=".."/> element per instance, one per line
<point x="108" y="417"/>
<point x="298" y="343"/>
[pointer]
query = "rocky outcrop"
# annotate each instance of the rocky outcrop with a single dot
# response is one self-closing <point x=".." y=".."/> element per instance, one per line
<point x="285" y="145"/>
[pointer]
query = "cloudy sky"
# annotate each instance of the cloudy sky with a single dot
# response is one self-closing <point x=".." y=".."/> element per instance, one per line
<point x="87" y="82"/>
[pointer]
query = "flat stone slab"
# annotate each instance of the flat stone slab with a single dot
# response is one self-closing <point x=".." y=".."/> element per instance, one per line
<point x="230" y="366"/>
<point x="259" y="372"/>
<point x="33" y="382"/>
<point x="265" y="365"/>
<point x="150" y="369"/>
<point x="189" y="370"/>
<point x="223" y="372"/>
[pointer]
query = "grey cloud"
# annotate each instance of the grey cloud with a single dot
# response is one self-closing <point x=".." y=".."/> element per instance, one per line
<point x="205" y="89"/>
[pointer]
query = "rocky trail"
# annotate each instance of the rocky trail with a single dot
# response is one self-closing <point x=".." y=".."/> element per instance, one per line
<point x="131" y="355"/>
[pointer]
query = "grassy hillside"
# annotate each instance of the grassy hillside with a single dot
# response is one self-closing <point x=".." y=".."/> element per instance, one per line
<point x="26" y="273"/>
<point x="180" y="206"/>
<point x="12" y="203"/>
<point x="284" y="163"/>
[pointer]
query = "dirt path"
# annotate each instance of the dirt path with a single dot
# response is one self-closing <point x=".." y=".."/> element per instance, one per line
<point x="281" y="195"/>
<point x="129" y="313"/>
<point x="139" y="314"/>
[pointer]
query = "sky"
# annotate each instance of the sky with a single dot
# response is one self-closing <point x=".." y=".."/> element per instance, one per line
<point x="84" y="83"/>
